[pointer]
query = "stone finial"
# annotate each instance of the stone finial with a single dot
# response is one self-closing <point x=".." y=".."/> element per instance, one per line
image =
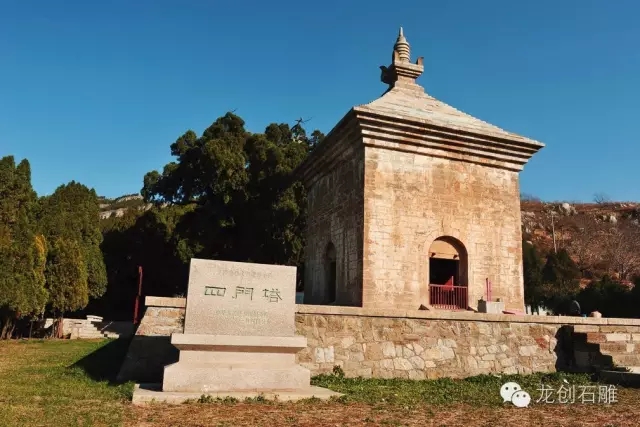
<point x="401" y="50"/>
<point x="401" y="72"/>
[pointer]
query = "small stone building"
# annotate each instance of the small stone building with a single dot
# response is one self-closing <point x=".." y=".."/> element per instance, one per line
<point x="412" y="202"/>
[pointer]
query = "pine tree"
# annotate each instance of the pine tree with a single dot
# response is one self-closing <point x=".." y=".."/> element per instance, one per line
<point x="561" y="280"/>
<point x="532" y="274"/>
<point x="22" y="250"/>
<point x="70" y="220"/>
<point x="67" y="279"/>
<point x="72" y="212"/>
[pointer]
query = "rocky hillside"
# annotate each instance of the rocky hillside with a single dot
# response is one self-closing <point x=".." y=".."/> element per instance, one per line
<point x="600" y="237"/>
<point x="117" y="207"/>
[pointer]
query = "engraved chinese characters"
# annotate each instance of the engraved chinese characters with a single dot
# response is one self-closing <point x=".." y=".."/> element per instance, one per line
<point x="214" y="290"/>
<point x="229" y="298"/>
<point x="272" y="295"/>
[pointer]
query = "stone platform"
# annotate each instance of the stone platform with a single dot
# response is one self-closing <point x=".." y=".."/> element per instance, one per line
<point x="152" y="393"/>
<point x="220" y="363"/>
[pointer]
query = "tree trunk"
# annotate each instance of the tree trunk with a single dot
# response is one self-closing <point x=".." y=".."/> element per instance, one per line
<point x="7" y="328"/>
<point x="57" y="327"/>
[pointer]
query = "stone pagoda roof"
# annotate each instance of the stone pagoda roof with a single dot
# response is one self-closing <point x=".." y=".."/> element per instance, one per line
<point x="406" y="118"/>
<point x="430" y="111"/>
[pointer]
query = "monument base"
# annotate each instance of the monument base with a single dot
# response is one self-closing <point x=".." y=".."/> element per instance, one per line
<point x="152" y="393"/>
<point x="231" y="363"/>
<point x="206" y="378"/>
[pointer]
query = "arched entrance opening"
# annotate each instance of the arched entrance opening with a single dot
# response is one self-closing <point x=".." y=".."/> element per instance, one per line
<point x="330" y="274"/>
<point x="448" y="266"/>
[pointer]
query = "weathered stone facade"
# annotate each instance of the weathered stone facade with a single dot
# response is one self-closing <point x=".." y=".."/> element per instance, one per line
<point x="410" y="200"/>
<point x="396" y="175"/>
<point x="336" y="214"/>
<point x="416" y="344"/>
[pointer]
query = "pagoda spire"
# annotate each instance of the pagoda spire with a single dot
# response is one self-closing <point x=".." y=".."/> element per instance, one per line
<point x="401" y="72"/>
<point x="401" y="48"/>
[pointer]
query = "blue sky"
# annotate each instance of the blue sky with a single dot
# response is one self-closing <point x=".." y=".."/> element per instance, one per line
<point x="97" y="91"/>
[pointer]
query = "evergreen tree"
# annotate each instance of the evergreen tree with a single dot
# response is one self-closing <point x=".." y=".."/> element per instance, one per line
<point x="229" y="194"/>
<point x="610" y="298"/>
<point x="72" y="213"/>
<point x="67" y="279"/>
<point x="22" y="250"/>
<point x="532" y="274"/>
<point x="561" y="278"/>
<point x="246" y="206"/>
<point x="148" y="239"/>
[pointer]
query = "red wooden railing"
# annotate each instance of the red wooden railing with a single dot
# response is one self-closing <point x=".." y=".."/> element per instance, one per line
<point x="136" y="306"/>
<point x="448" y="297"/>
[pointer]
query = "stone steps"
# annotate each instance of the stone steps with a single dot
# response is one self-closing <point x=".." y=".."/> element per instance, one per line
<point x="94" y="330"/>
<point x="624" y="360"/>
<point x="604" y="350"/>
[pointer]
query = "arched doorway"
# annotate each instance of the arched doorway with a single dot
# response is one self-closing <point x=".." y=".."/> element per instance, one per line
<point x="330" y="274"/>
<point x="448" y="274"/>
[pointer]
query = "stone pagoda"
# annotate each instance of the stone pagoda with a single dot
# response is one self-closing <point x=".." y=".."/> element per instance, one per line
<point x="412" y="203"/>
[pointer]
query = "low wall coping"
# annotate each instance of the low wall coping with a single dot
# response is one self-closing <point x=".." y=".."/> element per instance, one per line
<point x="461" y="315"/>
<point x="165" y="302"/>
<point x="426" y="314"/>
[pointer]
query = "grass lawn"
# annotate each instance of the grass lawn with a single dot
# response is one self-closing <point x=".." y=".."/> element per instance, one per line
<point x="60" y="383"/>
<point x="69" y="383"/>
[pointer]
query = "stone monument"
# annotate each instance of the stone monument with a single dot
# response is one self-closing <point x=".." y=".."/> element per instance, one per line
<point x="239" y="336"/>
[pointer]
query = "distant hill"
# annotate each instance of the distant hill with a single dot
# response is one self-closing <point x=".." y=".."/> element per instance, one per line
<point x="117" y="207"/>
<point x="602" y="238"/>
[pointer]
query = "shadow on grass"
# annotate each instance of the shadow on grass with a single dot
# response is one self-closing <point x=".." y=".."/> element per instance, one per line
<point x="104" y="363"/>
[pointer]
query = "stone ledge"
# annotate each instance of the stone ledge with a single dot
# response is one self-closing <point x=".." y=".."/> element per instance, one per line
<point x="461" y="315"/>
<point x="165" y="302"/>
<point x="260" y="343"/>
<point x="425" y="314"/>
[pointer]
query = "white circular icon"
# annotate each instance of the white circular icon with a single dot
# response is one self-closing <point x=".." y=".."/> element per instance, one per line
<point x="521" y="399"/>
<point x="508" y="389"/>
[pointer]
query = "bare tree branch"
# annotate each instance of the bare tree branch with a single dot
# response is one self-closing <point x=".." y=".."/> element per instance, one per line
<point x="622" y="248"/>
<point x="601" y="198"/>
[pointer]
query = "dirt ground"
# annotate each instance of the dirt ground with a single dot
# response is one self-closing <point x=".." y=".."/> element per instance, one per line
<point x="625" y="413"/>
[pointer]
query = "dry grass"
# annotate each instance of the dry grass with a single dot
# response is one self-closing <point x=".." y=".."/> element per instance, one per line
<point x="622" y="414"/>
<point x="67" y="383"/>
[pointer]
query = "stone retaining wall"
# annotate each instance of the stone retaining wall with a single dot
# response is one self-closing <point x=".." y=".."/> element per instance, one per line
<point x="150" y="349"/>
<point x="399" y="343"/>
<point x="388" y="347"/>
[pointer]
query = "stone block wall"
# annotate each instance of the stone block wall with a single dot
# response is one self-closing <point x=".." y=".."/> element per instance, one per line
<point x="150" y="349"/>
<point x="393" y="344"/>
<point x="412" y="199"/>
<point x="335" y="215"/>
<point x="413" y="344"/>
